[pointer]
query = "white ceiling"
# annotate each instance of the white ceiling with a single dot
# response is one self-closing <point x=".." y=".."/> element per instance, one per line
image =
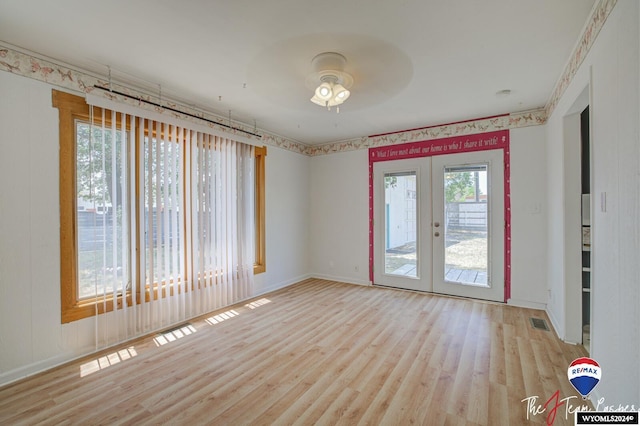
<point x="415" y="62"/>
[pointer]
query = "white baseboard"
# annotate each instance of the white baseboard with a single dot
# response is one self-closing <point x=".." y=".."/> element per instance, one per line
<point x="38" y="367"/>
<point x="596" y="396"/>
<point x="340" y="279"/>
<point x="555" y="324"/>
<point x="282" y="284"/>
<point x="527" y="304"/>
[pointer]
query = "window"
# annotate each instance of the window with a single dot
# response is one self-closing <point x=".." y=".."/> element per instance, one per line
<point x="133" y="207"/>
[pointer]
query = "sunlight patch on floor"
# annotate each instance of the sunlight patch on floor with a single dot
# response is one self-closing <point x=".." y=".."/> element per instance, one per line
<point x="216" y="319"/>
<point x="107" y="361"/>
<point x="257" y="303"/>
<point x="173" y="335"/>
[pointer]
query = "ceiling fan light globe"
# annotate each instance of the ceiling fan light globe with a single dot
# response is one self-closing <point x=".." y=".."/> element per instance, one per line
<point x="340" y="93"/>
<point x="316" y="100"/>
<point x="324" y="91"/>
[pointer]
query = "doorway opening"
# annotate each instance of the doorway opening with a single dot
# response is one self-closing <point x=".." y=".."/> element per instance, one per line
<point x="585" y="163"/>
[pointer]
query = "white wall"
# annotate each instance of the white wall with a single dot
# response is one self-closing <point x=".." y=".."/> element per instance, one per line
<point x="31" y="335"/>
<point x="612" y="68"/>
<point x="288" y="220"/>
<point x="340" y="216"/>
<point x="528" y="219"/>
<point x="30" y="328"/>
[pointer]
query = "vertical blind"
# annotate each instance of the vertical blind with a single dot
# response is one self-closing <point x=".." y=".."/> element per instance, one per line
<point x="173" y="228"/>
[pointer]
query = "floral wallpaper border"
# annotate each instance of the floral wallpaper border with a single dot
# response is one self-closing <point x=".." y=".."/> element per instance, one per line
<point x="30" y="66"/>
<point x="484" y="125"/>
<point x="596" y="21"/>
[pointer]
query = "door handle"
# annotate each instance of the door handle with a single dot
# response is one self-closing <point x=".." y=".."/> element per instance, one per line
<point x="437" y="234"/>
<point x="436" y="224"/>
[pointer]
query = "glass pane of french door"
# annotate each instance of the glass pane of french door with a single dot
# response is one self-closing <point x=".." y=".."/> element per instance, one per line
<point x="466" y="253"/>
<point x="400" y="224"/>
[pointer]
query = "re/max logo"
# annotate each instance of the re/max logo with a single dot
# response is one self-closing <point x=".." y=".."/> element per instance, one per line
<point x="581" y="370"/>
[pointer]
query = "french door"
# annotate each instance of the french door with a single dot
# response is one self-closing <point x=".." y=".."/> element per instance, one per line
<point x="439" y="224"/>
<point x="402" y="213"/>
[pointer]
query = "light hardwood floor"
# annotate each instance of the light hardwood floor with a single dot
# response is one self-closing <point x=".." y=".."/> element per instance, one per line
<point x="318" y="352"/>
